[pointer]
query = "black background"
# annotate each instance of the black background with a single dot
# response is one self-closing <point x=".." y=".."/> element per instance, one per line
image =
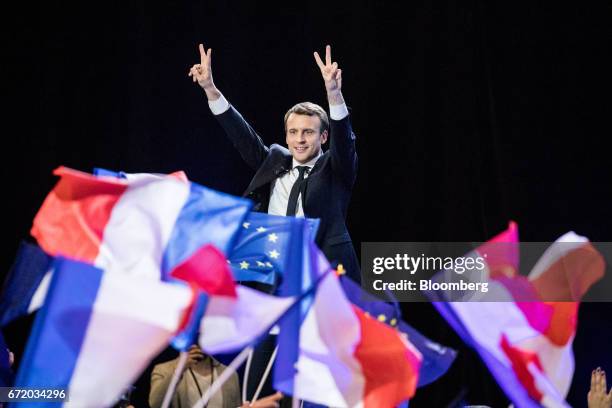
<point x="468" y="115"/>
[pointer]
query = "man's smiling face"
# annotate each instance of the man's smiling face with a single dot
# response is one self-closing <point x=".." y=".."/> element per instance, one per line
<point x="304" y="137"/>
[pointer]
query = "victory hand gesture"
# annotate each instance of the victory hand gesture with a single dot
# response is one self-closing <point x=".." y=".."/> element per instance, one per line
<point x="330" y="71"/>
<point x="202" y="72"/>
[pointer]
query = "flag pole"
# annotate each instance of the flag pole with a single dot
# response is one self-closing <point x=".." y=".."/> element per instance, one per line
<point x="225" y="375"/>
<point x="175" y="379"/>
<point x="245" y="380"/>
<point x="265" y="375"/>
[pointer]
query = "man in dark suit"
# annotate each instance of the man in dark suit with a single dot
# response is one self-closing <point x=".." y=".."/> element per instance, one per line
<point x="301" y="179"/>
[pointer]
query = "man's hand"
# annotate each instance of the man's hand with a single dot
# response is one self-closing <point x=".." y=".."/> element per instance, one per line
<point x="271" y="401"/>
<point x="332" y="75"/>
<point x="597" y="396"/>
<point x="194" y="356"/>
<point x="202" y="74"/>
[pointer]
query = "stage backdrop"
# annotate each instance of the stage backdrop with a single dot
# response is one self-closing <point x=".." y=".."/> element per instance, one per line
<point x="468" y="114"/>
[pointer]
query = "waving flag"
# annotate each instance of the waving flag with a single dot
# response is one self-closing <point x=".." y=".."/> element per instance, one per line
<point x="437" y="358"/>
<point x="26" y="283"/>
<point x="232" y="323"/>
<point x="98" y="171"/>
<point x="261" y="250"/>
<point x="305" y="266"/>
<point x="527" y="344"/>
<point x="349" y="359"/>
<point x="208" y="278"/>
<point x="145" y="226"/>
<point x="97" y="331"/>
<point x="345" y="358"/>
<point x="228" y="316"/>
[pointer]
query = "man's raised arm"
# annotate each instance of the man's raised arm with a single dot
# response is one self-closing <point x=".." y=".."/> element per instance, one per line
<point x="342" y="138"/>
<point x="243" y="136"/>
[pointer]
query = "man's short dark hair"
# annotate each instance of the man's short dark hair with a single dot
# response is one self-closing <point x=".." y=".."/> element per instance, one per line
<point x="310" y="109"/>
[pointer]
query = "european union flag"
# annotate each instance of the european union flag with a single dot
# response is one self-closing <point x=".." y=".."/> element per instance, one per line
<point x="262" y="247"/>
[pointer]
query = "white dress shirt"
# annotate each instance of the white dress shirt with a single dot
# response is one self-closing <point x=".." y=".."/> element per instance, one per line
<point x="281" y="187"/>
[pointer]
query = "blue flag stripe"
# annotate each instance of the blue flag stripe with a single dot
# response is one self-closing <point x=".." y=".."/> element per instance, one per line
<point x="208" y="217"/>
<point x="26" y="273"/>
<point x="60" y="327"/>
<point x="98" y="171"/>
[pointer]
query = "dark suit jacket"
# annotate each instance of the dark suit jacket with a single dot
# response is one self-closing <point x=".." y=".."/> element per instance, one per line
<point x="328" y="188"/>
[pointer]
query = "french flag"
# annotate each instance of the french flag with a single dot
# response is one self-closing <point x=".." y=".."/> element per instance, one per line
<point x="526" y="341"/>
<point x="100" y="172"/>
<point x="436" y="358"/>
<point x="347" y="358"/>
<point x="97" y="331"/>
<point x="143" y="226"/>
<point x="228" y="317"/>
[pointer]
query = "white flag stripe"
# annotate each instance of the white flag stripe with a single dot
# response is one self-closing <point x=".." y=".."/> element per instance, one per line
<point x="140" y="226"/>
<point x="233" y="323"/>
<point x="328" y="373"/>
<point x="487" y="322"/>
<point x="560" y="248"/>
<point x="132" y="321"/>
<point x="558" y="362"/>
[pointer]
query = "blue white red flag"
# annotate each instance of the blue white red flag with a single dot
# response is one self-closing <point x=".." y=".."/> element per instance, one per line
<point x="228" y="317"/>
<point x="437" y="358"/>
<point x="144" y="226"/>
<point x="345" y="357"/>
<point x="527" y="345"/>
<point x="97" y="331"/>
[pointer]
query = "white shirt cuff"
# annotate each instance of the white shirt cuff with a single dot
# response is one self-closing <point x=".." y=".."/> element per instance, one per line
<point x="219" y="106"/>
<point x="338" y="112"/>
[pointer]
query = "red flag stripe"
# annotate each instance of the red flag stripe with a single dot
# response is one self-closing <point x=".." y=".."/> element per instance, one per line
<point x="81" y="206"/>
<point x="390" y="367"/>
